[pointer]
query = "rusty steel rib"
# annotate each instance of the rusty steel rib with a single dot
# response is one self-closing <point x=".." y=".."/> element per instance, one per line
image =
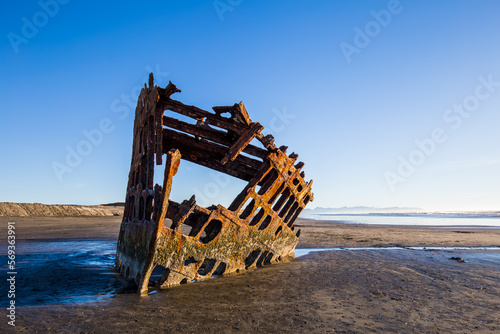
<point x="256" y="229"/>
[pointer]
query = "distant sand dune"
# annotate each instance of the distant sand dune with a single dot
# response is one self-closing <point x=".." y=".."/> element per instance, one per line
<point x="43" y="210"/>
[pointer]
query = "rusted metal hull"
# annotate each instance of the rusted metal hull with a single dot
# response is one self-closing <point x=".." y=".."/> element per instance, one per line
<point x="186" y="241"/>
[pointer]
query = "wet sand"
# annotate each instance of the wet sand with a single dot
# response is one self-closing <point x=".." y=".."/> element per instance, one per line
<point x="325" y="234"/>
<point x="347" y="291"/>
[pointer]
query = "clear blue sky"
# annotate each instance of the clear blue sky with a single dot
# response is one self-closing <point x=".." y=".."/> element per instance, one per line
<point x="348" y="85"/>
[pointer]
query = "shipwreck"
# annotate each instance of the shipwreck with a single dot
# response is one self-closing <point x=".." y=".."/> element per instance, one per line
<point x="185" y="242"/>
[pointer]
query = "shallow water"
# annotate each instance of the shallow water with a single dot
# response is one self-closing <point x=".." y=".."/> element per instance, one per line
<point x="51" y="272"/>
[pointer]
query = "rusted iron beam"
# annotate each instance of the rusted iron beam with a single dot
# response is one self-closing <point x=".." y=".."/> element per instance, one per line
<point x="210" y="134"/>
<point x="238" y="112"/>
<point x="204" y="158"/>
<point x="242" y="142"/>
<point x="200" y="114"/>
<point x="217" y="150"/>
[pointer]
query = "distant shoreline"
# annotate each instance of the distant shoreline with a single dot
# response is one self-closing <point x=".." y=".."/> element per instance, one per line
<point x="479" y="214"/>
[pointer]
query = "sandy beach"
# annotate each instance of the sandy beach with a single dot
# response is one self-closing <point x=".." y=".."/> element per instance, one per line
<point x="64" y="284"/>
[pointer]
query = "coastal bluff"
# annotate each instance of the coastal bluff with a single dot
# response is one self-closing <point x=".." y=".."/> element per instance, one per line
<point x="9" y="209"/>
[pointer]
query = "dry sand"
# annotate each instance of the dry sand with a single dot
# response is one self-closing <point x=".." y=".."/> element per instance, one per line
<point x="348" y="291"/>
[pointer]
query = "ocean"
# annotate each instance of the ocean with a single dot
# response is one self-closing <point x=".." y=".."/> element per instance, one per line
<point x="428" y="220"/>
